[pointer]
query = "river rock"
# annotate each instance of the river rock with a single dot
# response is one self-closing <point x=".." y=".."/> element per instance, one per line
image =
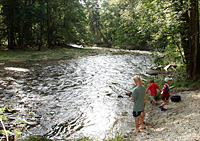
<point x="128" y="94"/>
<point x="152" y="72"/>
<point x="155" y="67"/>
<point x="1" y="90"/>
<point x="32" y="123"/>
<point x="120" y="96"/>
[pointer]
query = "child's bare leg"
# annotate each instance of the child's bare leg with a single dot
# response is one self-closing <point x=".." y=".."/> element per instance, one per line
<point x="164" y="103"/>
<point x="142" y="124"/>
<point x="154" y="101"/>
<point x="142" y="116"/>
<point x="137" y="124"/>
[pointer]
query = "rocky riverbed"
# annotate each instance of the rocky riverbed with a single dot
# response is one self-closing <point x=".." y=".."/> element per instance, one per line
<point x="181" y="122"/>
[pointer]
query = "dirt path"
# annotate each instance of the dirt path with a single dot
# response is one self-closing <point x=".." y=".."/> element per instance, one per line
<point x="181" y="122"/>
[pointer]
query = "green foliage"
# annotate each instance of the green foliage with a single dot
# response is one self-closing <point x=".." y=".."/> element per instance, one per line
<point x="120" y="138"/>
<point x="84" y="139"/>
<point x="3" y="117"/>
<point x="36" y="22"/>
<point x="34" y="138"/>
<point x="119" y="23"/>
<point x="111" y="15"/>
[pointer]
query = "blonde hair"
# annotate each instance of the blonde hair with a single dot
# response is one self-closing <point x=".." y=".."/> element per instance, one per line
<point x="137" y="79"/>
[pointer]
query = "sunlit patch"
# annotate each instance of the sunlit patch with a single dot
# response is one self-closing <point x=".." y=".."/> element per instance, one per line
<point x="160" y="129"/>
<point x="195" y="95"/>
<point x="17" y="69"/>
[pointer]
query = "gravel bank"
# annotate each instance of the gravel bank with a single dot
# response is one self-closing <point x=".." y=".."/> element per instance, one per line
<point x="181" y="122"/>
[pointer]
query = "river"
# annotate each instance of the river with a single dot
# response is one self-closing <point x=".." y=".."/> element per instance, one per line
<point x="70" y="99"/>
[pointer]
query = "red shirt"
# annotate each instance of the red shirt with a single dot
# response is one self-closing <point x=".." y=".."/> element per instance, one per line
<point x="153" y="89"/>
<point x="165" y="91"/>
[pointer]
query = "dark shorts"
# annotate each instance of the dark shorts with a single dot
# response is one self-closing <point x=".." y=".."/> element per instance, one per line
<point x="136" y="114"/>
<point x="165" y="98"/>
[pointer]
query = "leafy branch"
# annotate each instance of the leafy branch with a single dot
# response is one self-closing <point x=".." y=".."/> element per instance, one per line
<point x="3" y="117"/>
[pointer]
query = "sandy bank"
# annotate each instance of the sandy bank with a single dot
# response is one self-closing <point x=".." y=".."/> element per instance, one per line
<point x="181" y="122"/>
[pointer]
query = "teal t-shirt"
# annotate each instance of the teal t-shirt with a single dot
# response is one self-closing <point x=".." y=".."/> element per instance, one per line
<point x="138" y="95"/>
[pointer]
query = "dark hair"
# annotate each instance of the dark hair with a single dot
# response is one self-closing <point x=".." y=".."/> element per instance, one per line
<point x="151" y="81"/>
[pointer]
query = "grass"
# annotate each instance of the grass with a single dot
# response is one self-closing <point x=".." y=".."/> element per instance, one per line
<point x="16" y="56"/>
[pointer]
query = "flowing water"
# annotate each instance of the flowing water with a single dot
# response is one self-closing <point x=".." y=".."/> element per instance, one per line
<point x="75" y="98"/>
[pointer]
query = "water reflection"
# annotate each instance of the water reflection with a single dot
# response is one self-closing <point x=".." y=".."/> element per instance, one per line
<point x="79" y="97"/>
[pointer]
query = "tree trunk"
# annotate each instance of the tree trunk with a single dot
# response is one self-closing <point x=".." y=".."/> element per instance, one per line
<point x="10" y="29"/>
<point x="42" y="21"/>
<point x="11" y="40"/>
<point x="194" y="53"/>
<point x="184" y="37"/>
<point x="49" y="30"/>
<point x="197" y="50"/>
<point x="41" y="35"/>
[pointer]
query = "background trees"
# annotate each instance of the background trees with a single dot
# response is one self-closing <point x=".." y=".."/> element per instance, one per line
<point x="37" y="22"/>
<point x="167" y="25"/>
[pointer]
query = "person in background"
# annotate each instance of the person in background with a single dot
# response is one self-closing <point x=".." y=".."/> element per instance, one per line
<point x="153" y="90"/>
<point x="138" y="97"/>
<point x="165" y="93"/>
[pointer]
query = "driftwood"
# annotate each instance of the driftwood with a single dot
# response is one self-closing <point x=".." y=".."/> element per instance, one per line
<point x="170" y="67"/>
<point x="155" y="70"/>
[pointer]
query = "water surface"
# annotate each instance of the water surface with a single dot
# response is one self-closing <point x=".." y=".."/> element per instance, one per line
<point x="69" y="99"/>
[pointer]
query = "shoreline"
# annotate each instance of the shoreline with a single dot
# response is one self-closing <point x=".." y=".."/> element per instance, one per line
<point x="180" y="122"/>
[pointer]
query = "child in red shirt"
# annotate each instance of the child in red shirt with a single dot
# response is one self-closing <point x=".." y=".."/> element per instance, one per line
<point x="165" y="94"/>
<point x="153" y="90"/>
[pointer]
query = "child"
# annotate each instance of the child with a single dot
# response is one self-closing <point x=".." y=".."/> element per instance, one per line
<point x="138" y="98"/>
<point x="153" y="90"/>
<point x="165" y="93"/>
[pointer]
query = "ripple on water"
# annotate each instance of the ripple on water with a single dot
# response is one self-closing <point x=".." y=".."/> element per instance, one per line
<point x="78" y="97"/>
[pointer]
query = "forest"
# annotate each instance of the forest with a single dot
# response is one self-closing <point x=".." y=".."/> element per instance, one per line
<point x="170" y="26"/>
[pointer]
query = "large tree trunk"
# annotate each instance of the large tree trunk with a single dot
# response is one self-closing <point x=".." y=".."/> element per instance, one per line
<point x="41" y="35"/>
<point x="49" y="30"/>
<point x="42" y="21"/>
<point x="194" y="54"/>
<point x="10" y="29"/>
<point x="184" y="32"/>
<point x="11" y="39"/>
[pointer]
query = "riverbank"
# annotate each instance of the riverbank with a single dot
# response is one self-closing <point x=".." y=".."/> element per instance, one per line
<point x="180" y="122"/>
<point x="32" y="55"/>
<point x="59" y="53"/>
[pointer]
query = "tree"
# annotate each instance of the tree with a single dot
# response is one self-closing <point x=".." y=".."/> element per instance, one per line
<point x="194" y="52"/>
<point x="177" y="24"/>
<point x="29" y="23"/>
<point x="9" y="11"/>
<point x="93" y="15"/>
<point x="111" y="14"/>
